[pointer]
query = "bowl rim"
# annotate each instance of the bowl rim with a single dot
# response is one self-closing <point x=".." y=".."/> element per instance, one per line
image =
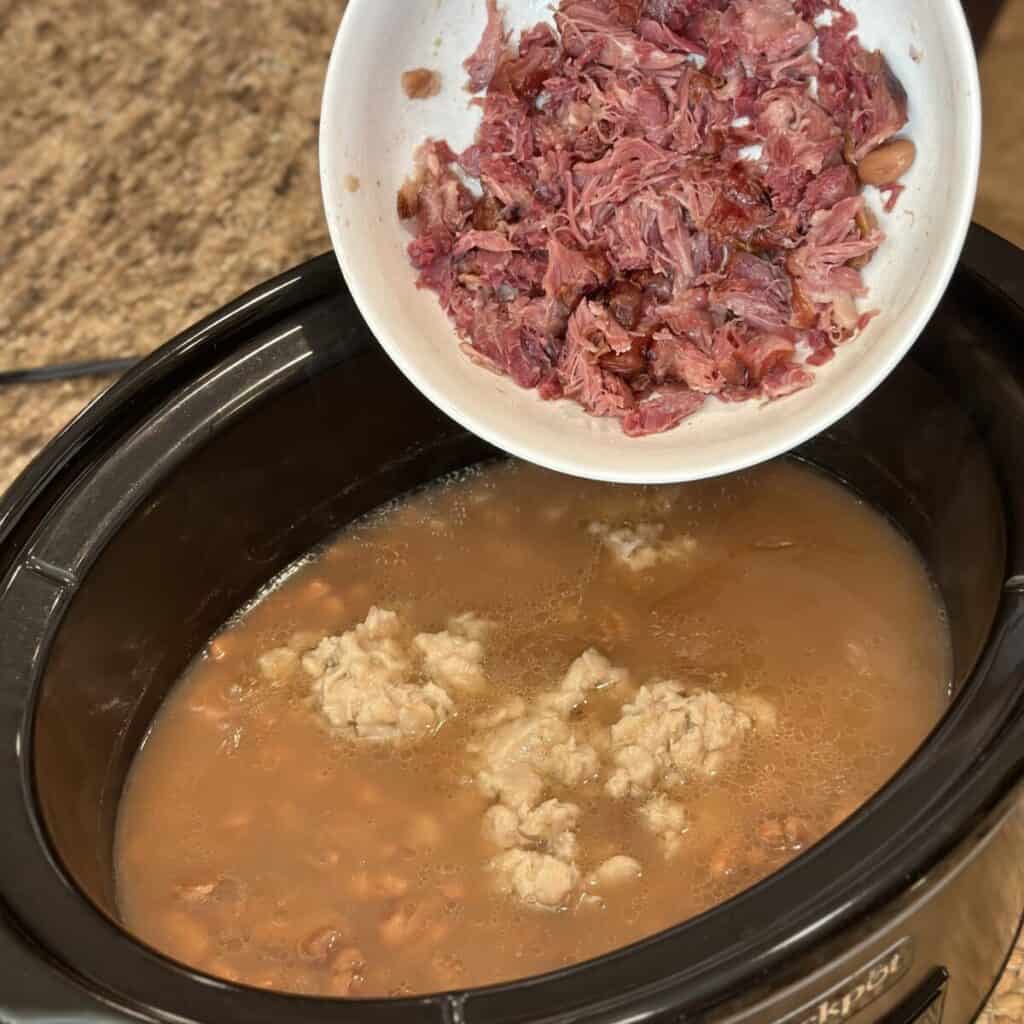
<point x="755" y="450"/>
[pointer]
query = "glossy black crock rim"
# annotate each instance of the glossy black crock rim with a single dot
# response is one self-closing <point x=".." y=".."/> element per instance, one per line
<point x="833" y="872"/>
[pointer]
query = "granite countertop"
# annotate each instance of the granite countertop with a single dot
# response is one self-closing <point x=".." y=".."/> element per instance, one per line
<point x="160" y="159"/>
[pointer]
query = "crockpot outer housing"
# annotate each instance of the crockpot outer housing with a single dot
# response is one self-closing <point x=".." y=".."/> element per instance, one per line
<point x="245" y="442"/>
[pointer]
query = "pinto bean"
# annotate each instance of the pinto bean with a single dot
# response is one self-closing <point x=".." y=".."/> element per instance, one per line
<point x="425" y="830"/>
<point x="402" y="924"/>
<point x="804" y="314"/>
<point x="209" y="703"/>
<point x="195" y="893"/>
<point x="407" y="202"/>
<point x="279" y="664"/>
<point x="866" y="223"/>
<point x="349" y="958"/>
<point x="219" y="969"/>
<point x="658" y="286"/>
<point x="239" y="817"/>
<point x="289" y="817"/>
<point x="344" y="982"/>
<point x="325" y="858"/>
<point x="316" y="590"/>
<point x="187" y="938"/>
<point x="449" y="970"/>
<point x="770" y="833"/>
<point x="797" y="832"/>
<point x="599" y="265"/>
<point x="421" y="83"/>
<point x="755" y="857"/>
<point x="723" y="862"/>
<point x="613" y="627"/>
<point x="390" y="884"/>
<point x="452" y="890"/>
<point x="789" y="833"/>
<point x="624" y="303"/>
<point x="220" y="647"/>
<point x="486" y="214"/>
<point x="630" y="361"/>
<point x="357" y="595"/>
<point x="437" y="933"/>
<point x="627" y="12"/>
<point x="303" y="641"/>
<point x="320" y="944"/>
<point x="229" y="892"/>
<point x="842" y="812"/>
<point x="368" y="793"/>
<point x="359" y="885"/>
<point x="888" y="163"/>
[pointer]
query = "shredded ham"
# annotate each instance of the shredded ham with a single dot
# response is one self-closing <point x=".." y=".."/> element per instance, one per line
<point x="669" y="208"/>
<point x="482" y="64"/>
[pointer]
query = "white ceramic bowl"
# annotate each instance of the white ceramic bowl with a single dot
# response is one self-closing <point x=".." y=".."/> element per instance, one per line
<point x="369" y="130"/>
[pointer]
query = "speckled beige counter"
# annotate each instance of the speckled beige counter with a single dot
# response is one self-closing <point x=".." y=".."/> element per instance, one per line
<point x="158" y="159"/>
<point x="1000" y="200"/>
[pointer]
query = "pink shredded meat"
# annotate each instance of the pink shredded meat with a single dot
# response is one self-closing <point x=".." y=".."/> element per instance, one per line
<point x="668" y="206"/>
<point x="482" y="64"/>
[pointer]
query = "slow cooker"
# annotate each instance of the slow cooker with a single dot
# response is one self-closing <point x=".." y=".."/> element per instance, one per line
<point x="241" y="444"/>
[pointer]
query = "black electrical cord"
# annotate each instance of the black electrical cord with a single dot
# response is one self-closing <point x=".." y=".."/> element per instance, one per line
<point x="66" y="371"/>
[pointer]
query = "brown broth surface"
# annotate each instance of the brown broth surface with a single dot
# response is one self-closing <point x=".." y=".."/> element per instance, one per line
<point x="257" y="845"/>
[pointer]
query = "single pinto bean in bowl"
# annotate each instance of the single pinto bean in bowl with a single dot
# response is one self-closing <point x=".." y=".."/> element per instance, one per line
<point x="888" y="163"/>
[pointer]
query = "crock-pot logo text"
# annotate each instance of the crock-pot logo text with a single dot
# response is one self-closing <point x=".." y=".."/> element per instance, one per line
<point x="851" y="996"/>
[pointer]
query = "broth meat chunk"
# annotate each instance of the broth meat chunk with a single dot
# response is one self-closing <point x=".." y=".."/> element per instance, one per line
<point x="668" y="733"/>
<point x="524" y="754"/>
<point x="589" y="672"/>
<point x="536" y="878"/>
<point x="643" y="546"/>
<point x="454" y="657"/>
<point x="614" y="872"/>
<point x="278" y="664"/>
<point x="528" y="750"/>
<point x="550" y="825"/>
<point x="369" y="685"/>
<point x="667" y="819"/>
<point x="523" y="758"/>
<point x="523" y="749"/>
